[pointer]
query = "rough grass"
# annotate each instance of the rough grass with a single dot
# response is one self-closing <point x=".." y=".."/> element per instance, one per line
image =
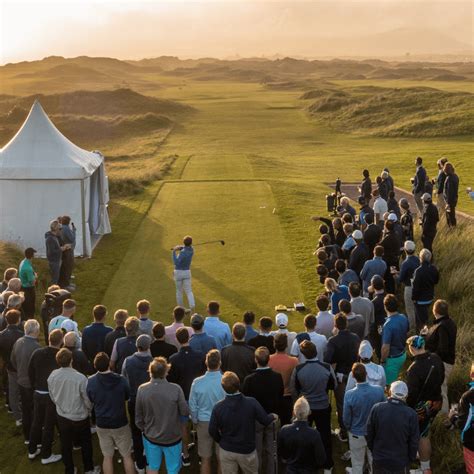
<point x="243" y="138"/>
<point x="415" y="111"/>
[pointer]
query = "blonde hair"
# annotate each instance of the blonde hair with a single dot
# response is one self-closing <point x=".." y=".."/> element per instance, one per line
<point x="330" y="284"/>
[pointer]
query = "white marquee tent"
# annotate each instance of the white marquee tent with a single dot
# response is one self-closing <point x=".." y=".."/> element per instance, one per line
<point x="44" y="175"/>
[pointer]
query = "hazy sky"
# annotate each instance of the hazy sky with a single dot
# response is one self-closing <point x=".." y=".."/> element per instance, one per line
<point x="221" y="28"/>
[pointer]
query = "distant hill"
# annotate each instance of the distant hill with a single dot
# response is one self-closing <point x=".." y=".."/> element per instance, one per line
<point x="101" y="103"/>
<point x="414" y="111"/>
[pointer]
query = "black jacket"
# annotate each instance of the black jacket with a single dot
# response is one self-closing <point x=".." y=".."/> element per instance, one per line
<point x="8" y="337"/>
<point x="111" y="337"/>
<point x="261" y="340"/>
<point x="419" y="180"/>
<point x="424" y="378"/>
<point x="441" y="339"/>
<point x="451" y="187"/>
<point x="53" y="247"/>
<point x="301" y="448"/>
<point x="393" y="434"/>
<point x="372" y="236"/>
<point x="342" y="350"/>
<point x="366" y="188"/>
<point x="162" y="349"/>
<point x="238" y="357"/>
<point x="425" y="278"/>
<point x="359" y="255"/>
<point x="42" y="363"/>
<point x="383" y="189"/>
<point x="430" y="219"/>
<point x="186" y="365"/>
<point x="379" y="309"/>
<point x="80" y="362"/>
<point x="466" y="418"/>
<point x="391" y="245"/>
<point x="406" y="221"/>
<point x="266" y="386"/>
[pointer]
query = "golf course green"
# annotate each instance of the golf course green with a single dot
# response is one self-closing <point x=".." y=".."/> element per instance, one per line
<point x="249" y="166"/>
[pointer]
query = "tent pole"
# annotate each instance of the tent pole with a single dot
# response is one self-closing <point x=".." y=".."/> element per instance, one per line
<point x="83" y="207"/>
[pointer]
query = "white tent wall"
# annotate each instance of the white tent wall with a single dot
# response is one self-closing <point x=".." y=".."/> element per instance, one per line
<point x="27" y="207"/>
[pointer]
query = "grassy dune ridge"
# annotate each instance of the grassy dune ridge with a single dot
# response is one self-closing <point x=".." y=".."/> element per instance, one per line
<point x="247" y="164"/>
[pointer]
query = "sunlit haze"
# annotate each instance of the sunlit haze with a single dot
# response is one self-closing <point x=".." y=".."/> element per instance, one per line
<point x="35" y="29"/>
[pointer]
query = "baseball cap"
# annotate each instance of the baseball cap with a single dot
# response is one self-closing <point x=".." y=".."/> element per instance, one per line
<point x="68" y="325"/>
<point x="197" y="319"/>
<point x="357" y="234"/>
<point x="426" y="197"/>
<point x="399" y="390"/>
<point x="281" y="320"/>
<point x="392" y="217"/>
<point x="409" y="246"/>
<point x="365" y="350"/>
<point x="143" y="342"/>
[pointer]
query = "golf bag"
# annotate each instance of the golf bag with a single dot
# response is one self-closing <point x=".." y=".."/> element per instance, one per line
<point x="53" y="306"/>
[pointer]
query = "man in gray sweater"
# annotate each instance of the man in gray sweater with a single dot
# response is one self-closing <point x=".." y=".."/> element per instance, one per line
<point x="67" y="389"/>
<point x="20" y="358"/>
<point x="160" y="407"/>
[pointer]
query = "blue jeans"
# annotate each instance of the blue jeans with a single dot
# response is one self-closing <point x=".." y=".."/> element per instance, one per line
<point x="55" y="268"/>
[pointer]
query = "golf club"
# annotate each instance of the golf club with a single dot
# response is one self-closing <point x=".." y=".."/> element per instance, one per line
<point x="208" y="242"/>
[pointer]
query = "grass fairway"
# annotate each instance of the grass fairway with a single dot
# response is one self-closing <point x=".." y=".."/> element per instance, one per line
<point x="252" y="269"/>
<point x="245" y="151"/>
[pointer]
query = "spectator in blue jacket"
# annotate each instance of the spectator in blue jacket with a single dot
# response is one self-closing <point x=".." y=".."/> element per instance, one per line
<point x="125" y="346"/>
<point x="232" y="426"/>
<point x="249" y="321"/>
<point x="93" y="336"/>
<point x="450" y="193"/>
<point x="215" y="327"/>
<point x="206" y="391"/>
<point x="394" y="336"/>
<point x="357" y="405"/>
<point x="135" y="371"/>
<point x="299" y="445"/>
<point x="108" y="393"/>
<point x="337" y="293"/>
<point x="407" y="269"/>
<point x="375" y="266"/>
<point x="200" y="341"/>
<point x="392" y="432"/>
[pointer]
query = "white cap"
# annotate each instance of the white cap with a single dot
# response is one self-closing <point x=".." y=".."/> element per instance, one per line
<point x="426" y="197"/>
<point x="392" y="217"/>
<point x="409" y="246"/>
<point x="68" y="325"/>
<point x="365" y="350"/>
<point x="357" y="234"/>
<point x="399" y="390"/>
<point x="281" y="320"/>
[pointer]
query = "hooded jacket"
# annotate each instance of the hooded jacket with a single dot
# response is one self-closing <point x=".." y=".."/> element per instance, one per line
<point x="108" y="392"/>
<point x="53" y="247"/>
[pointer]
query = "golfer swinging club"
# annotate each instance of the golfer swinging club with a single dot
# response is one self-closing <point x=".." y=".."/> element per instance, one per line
<point x="182" y="256"/>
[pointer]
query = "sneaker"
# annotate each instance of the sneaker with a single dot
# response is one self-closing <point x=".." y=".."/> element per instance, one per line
<point x="96" y="470"/>
<point x="93" y="429"/>
<point x="139" y="471"/>
<point x="26" y="442"/>
<point x="52" y="459"/>
<point x="33" y="455"/>
<point x="348" y="470"/>
<point x="76" y="448"/>
<point x="186" y="462"/>
<point x="18" y="423"/>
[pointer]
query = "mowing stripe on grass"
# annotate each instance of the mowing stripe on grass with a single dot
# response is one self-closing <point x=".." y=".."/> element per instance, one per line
<point x="239" y="213"/>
